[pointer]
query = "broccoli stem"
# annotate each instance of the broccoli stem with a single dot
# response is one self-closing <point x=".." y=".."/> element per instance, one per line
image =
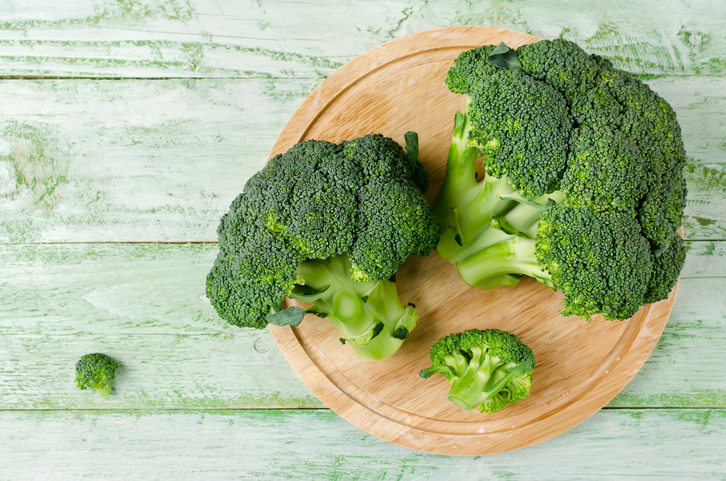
<point x="369" y="315"/>
<point x="103" y="388"/>
<point x="513" y="257"/>
<point x="483" y="379"/>
<point x="488" y="228"/>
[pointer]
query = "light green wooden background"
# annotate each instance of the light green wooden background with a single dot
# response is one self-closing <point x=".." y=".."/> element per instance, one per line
<point x="127" y="127"/>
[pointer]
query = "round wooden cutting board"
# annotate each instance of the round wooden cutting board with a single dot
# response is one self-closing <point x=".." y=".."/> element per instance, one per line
<point x="397" y="87"/>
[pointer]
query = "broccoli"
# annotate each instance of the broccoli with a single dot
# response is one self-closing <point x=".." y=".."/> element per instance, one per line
<point x="584" y="186"/>
<point x="487" y="369"/>
<point x="94" y="371"/>
<point x="328" y="224"/>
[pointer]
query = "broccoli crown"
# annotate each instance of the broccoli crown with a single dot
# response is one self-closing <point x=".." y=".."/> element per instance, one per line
<point x="599" y="259"/>
<point x="94" y="371"/>
<point x="501" y="344"/>
<point x="521" y="126"/>
<point x="619" y="112"/>
<point x="362" y="199"/>
<point x="560" y="126"/>
<point x="487" y="369"/>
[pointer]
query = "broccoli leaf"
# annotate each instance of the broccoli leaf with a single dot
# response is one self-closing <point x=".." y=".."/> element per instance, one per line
<point x="292" y="316"/>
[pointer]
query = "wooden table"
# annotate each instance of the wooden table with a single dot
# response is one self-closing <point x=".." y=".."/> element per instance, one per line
<point x="127" y="127"/>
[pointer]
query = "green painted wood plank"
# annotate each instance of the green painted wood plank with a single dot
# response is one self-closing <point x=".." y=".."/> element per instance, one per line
<point x="132" y="160"/>
<point x="107" y="289"/>
<point x="318" y="445"/>
<point x="704" y="260"/>
<point x="159" y="288"/>
<point x="85" y="161"/>
<point x="145" y="305"/>
<point x="705" y="208"/>
<point x="279" y="38"/>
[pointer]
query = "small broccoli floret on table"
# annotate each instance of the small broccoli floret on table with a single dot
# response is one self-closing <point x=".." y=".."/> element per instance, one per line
<point x="487" y="369"/>
<point x="93" y="371"/>
<point x="562" y="135"/>
<point x="328" y="224"/>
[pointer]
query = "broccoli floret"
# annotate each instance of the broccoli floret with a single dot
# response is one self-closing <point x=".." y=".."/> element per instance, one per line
<point x="468" y="68"/>
<point x="584" y="203"/>
<point x="328" y="224"/>
<point x="386" y="237"/>
<point x="561" y="64"/>
<point x="95" y="371"/>
<point x="521" y="127"/>
<point x="661" y="210"/>
<point x="487" y="369"/>
<point x="598" y="259"/>
<point x="605" y="170"/>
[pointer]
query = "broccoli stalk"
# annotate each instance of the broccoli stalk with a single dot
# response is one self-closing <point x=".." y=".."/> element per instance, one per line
<point x="487" y="369"/>
<point x="369" y="315"/>
<point x="488" y="228"/>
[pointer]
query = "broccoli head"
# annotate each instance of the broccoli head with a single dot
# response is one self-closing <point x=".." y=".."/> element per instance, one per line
<point x="94" y="371"/>
<point x="487" y="369"/>
<point x="329" y="224"/>
<point x="584" y="189"/>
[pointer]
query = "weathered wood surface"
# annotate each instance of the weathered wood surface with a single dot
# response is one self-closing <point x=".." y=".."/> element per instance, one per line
<point x="145" y="305"/>
<point x="142" y="160"/>
<point x="317" y="445"/>
<point x="87" y="159"/>
<point x="300" y="39"/>
<point x="131" y="160"/>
